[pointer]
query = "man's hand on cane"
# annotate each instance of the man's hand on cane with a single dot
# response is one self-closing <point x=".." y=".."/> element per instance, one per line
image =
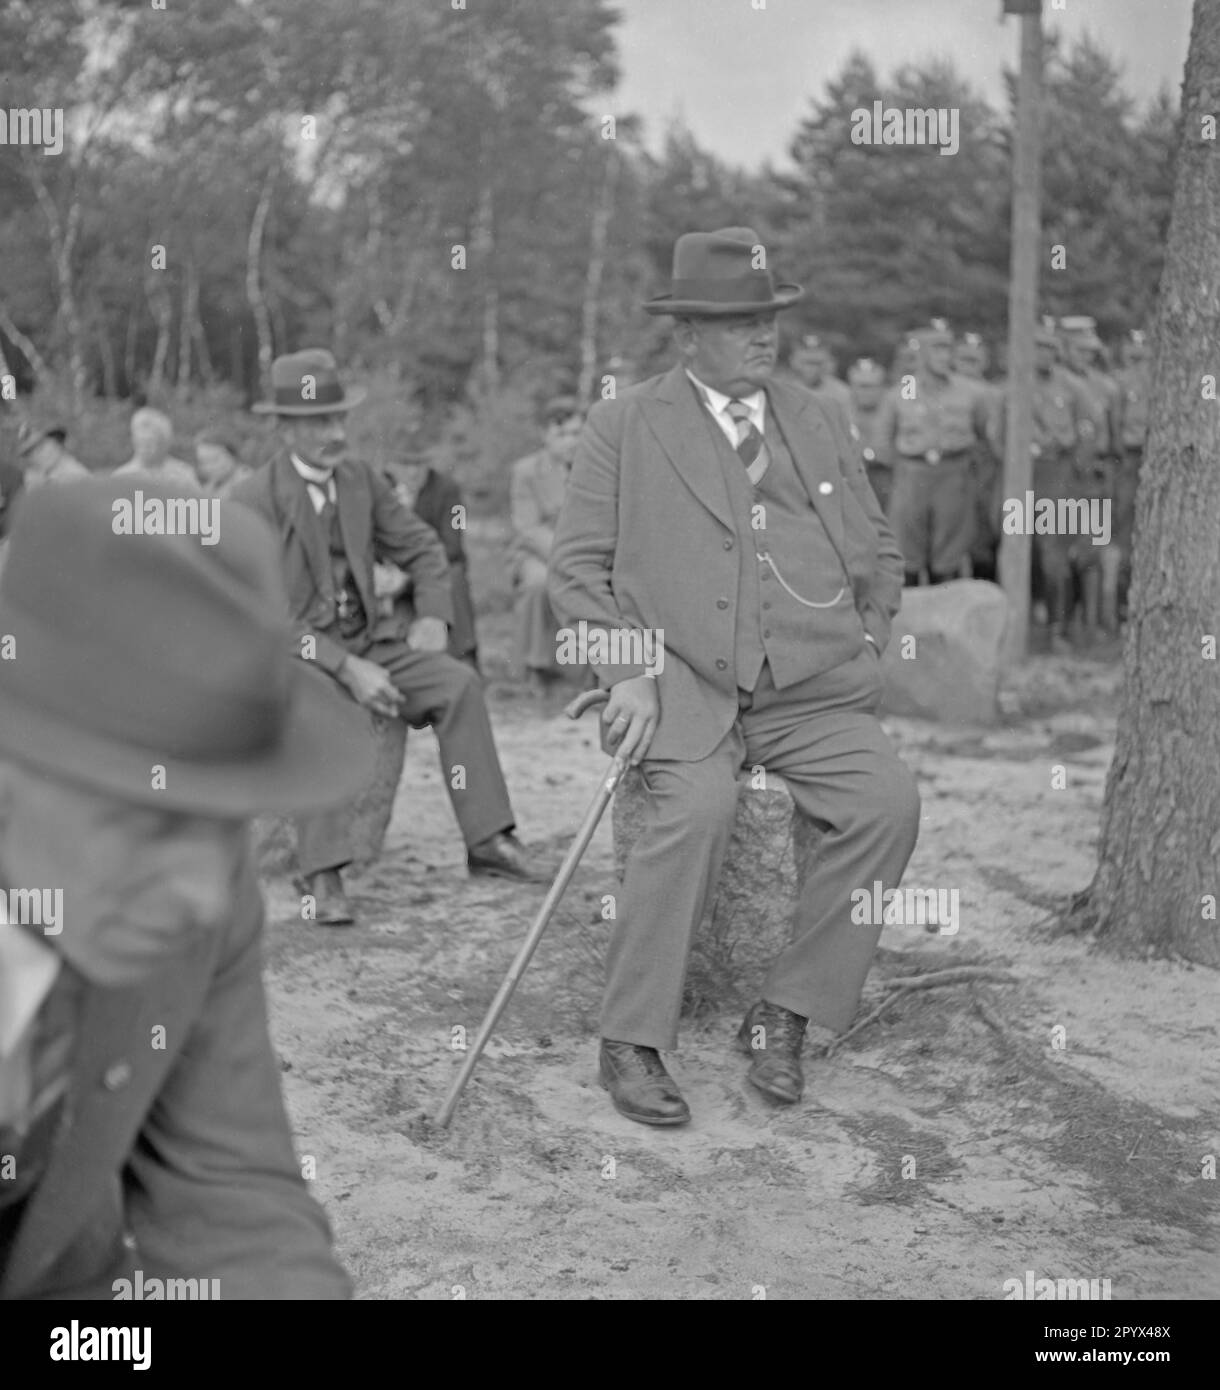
<point x="630" y="718"/>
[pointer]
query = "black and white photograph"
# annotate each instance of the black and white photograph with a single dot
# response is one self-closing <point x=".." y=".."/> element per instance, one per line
<point x="608" y="662"/>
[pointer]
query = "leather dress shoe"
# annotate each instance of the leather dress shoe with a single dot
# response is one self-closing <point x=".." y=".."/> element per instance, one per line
<point x="639" y="1085"/>
<point x="331" y="908"/>
<point x="776" y="1050"/>
<point x="500" y="856"/>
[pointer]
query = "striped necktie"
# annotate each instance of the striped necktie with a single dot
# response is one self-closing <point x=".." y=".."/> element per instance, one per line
<point x="751" y="449"/>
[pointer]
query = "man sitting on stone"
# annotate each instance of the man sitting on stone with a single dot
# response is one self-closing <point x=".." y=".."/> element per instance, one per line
<point x="336" y="518"/>
<point x="728" y="515"/>
<point x="152" y="432"/>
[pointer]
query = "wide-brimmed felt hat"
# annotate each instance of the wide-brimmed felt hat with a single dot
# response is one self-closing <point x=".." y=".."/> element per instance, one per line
<point x="29" y="437"/>
<point x="136" y="653"/>
<point x="307" y="383"/>
<point x="717" y="273"/>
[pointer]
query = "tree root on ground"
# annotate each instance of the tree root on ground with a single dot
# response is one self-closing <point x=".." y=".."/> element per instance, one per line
<point x="907" y="984"/>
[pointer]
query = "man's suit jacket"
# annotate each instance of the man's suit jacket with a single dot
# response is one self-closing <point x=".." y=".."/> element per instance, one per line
<point x="374" y="527"/>
<point x="647" y="540"/>
<point x="186" y="1147"/>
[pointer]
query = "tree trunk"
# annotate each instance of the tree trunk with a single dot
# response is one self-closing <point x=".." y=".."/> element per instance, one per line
<point x="1159" y="861"/>
<point x="254" y="285"/>
<point x="484" y="254"/>
<point x="23" y="344"/>
<point x="105" y="348"/>
<point x="602" y="212"/>
<point x="162" y="311"/>
<point x="186" y="327"/>
<point x="129" y="350"/>
<point x="64" y="233"/>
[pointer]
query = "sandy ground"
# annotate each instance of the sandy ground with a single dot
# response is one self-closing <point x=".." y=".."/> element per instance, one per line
<point x="955" y="1144"/>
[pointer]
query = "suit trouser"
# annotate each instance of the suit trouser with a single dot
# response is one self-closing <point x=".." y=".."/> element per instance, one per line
<point x="932" y="512"/>
<point x="823" y="738"/>
<point x="447" y="694"/>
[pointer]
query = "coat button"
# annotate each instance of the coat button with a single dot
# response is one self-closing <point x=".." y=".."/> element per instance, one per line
<point x="766" y="607"/>
<point x="722" y="603"/>
<point x="728" y="545"/>
<point x="117" y="1076"/>
<point x="721" y="664"/>
<point x="826" y="489"/>
<point x="766" y="632"/>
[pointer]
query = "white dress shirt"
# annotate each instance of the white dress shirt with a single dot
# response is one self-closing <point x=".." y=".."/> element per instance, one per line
<point x="718" y="403"/>
<point x="319" y="482"/>
<point x="28" y="969"/>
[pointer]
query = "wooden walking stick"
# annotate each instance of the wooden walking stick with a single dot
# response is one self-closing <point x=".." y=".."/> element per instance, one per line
<point x="570" y="860"/>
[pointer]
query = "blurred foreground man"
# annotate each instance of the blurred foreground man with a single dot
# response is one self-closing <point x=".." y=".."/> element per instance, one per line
<point x="335" y="518"/>
<point x="150" y="705"/>
<point x="728" y="515"/>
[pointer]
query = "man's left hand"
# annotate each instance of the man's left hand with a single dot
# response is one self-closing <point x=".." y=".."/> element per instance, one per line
<point x="428" y="635"/>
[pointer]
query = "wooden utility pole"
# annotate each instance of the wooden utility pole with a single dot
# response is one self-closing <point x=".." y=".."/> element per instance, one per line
<point x="1022" y="313"/>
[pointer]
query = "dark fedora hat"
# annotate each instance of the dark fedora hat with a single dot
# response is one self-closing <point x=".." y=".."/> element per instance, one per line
<point x="134" y="652"/>
<point x="716" y="273"/>
<point x="307" y="383"/>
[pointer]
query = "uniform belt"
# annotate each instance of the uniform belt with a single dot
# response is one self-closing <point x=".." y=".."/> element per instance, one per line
<point x="935" y="456"/>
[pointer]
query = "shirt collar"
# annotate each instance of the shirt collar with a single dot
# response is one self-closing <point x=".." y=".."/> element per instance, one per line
<point x="28" y="968"/>
<point x="718" y="402"/>
<point x="319" y="476"/>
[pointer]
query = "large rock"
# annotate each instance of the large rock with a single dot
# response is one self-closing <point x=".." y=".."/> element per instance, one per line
<point x="751" y="917"/>
<point x="950" y="671"/>
<point x="275" y="838"/>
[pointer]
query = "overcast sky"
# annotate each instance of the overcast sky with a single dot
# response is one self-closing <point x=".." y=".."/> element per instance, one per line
<point x="741" y="77"/>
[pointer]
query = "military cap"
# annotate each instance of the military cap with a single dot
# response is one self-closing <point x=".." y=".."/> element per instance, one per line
<point x="865" y="372"/>
<point x="934" y="331"/>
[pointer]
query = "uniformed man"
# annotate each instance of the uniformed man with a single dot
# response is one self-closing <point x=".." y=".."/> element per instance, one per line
<point x="866" y="382"/>
<point x="1134" y="381"/>
<point x="970" y="360"/>
<point x="932" y="426"/>
<point x="905" y="361"/>
<point x="1095" y="568"/>
<point x="1062" y="450"/>
<point x="812" y="365"/>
